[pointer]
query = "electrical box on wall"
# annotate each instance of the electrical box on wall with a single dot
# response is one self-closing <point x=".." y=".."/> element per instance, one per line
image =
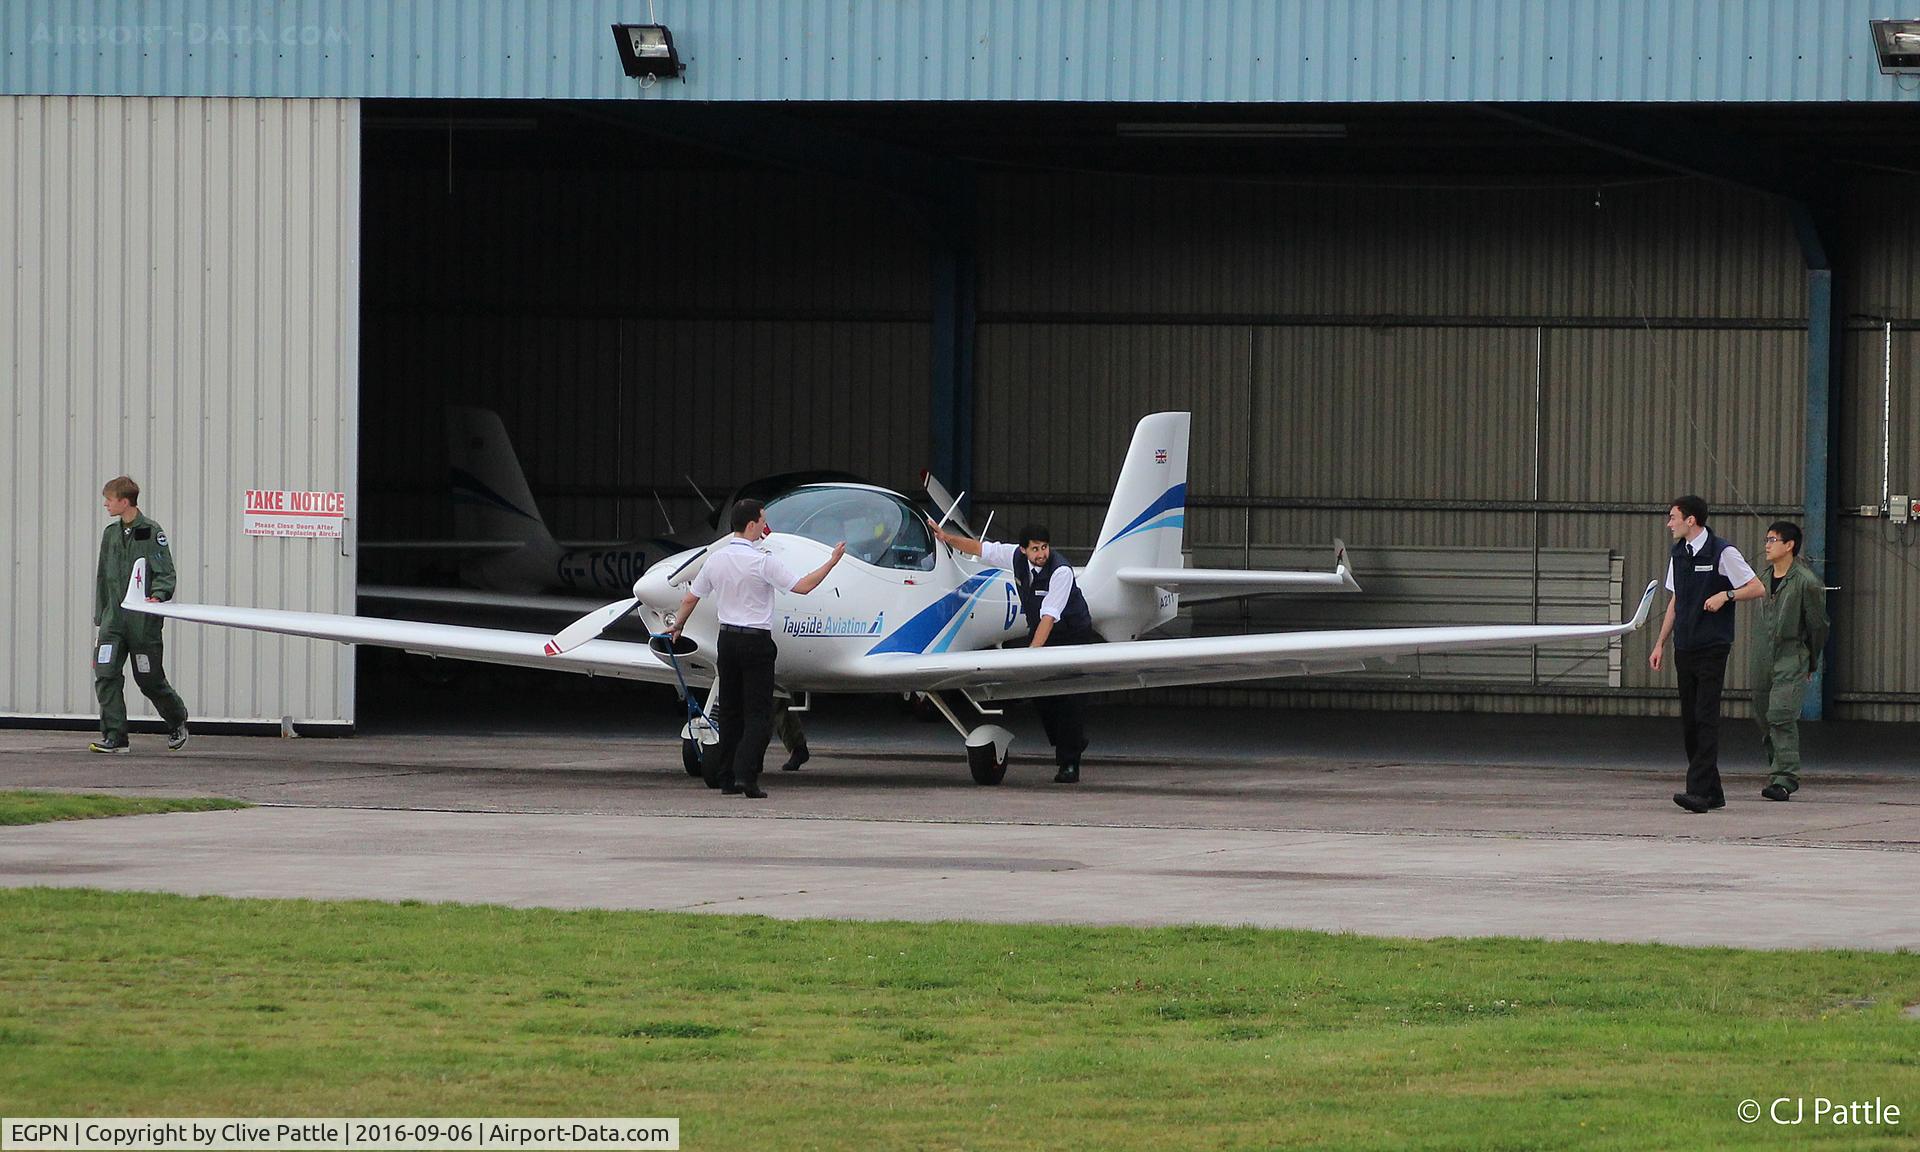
<point x="1898" y="508"/>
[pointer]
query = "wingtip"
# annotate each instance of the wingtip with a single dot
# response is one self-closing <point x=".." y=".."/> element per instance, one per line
<point x="1342" y="566"/>
<point x="1646" y="603"/>
<point x="136" y="587"/>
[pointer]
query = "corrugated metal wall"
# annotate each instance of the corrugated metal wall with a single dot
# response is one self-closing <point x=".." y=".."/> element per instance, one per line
<point x="1879" y="419"/>
<point x="652" y="327"/>
<point x="180" y="304"/>
<point x="1165" y="51"/>
<point x="1469" y="369"/>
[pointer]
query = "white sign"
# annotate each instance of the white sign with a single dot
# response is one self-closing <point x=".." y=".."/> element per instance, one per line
<point x="304" y="515"/>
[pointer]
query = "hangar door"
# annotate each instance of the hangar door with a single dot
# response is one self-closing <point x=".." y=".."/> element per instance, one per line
<point x="179" y="303"/>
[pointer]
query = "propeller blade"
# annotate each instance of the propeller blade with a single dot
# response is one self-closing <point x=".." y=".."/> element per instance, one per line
<point x="590" y="626"/>
<point x="951" y="509"/>
<point x="944" y="501"/>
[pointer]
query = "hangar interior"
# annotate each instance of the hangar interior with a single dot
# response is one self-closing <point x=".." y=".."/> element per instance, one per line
<point x="1483" y="344"/>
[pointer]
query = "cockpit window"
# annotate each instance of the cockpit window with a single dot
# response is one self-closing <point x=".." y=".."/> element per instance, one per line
<point x="879" y="527"/>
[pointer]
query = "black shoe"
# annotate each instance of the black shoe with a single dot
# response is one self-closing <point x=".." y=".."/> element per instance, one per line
<point x="177" y="739"/>
<point x="753" y="792"/>
<point x="1068" y="774"/>
<point x="1775" y="792"/>
<point x="731" y="790"/>
<point x="1694" y="803"/>
<point x="800" y="756"/>
<point x="105" y="745"/>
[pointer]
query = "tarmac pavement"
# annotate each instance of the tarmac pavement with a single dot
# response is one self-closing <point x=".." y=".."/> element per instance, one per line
<point x="1389" y="825"/>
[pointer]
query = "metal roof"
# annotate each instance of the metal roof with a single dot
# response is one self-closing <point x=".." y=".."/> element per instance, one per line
<point x="1138" y="51"/>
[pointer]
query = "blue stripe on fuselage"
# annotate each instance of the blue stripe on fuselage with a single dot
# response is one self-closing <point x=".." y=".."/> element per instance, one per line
<point x="929" y="622"/>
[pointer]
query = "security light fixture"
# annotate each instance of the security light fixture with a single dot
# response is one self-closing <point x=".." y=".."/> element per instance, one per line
<point x="646" y="50"/>
<point x="1898" y="44"/>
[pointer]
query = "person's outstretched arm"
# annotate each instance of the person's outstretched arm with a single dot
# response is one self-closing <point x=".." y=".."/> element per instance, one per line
<point x="954" y="540"/>
<point x="812" y="579"/>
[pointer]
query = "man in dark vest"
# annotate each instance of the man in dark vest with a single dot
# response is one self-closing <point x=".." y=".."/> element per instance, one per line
<point x="1057" y="613"/>
<point x="1705" y="575"/>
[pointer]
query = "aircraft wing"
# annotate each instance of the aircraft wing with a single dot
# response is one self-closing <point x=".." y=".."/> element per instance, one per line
<point x="1005" y="673"/>
<point x="1198" y="585"/>
<point x="489" y="645"/>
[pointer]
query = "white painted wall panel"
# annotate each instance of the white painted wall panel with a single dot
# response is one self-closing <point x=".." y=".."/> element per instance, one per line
<point x="179" y="301"/>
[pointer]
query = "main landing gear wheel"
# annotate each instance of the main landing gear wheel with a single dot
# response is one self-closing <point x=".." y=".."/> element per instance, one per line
<point x="987" y="764"/>
<point x="690" y="758"/>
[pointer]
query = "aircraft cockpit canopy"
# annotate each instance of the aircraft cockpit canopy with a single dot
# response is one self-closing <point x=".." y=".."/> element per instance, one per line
<point x="879" y="527"/>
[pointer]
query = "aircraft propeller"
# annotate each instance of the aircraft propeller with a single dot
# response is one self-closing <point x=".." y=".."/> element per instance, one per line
<point x="590" y="626"/>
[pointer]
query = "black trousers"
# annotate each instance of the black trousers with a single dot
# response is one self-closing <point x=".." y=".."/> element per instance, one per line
<point x="1703" y="675"/>
<point x="1064" y="718"/>
<point x="745" y="715"/>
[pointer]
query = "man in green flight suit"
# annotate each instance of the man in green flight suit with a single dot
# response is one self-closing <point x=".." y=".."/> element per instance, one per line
<point x="129" y="538"/>
<point x="1787" y="642"/>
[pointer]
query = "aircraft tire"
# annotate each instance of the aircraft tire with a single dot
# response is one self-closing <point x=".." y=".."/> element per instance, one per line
<point x="985" y="767"/>
<point x="690" y="758"/>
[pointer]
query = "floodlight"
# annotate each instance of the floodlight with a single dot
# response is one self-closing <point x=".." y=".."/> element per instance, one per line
<point x="1897" y="42"/>
<point x="647" y="50"/>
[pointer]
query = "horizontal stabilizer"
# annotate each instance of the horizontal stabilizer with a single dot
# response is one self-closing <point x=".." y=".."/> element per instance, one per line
<point x="474" y="598"/>
<point x="474" y="546"/>
<point x="1197" y="585"/>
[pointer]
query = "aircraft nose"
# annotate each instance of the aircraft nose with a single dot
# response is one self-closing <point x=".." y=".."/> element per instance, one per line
<point x="653" y="589"/>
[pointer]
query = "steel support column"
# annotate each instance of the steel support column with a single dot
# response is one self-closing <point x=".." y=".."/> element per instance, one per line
<point x="1820" y="525"/>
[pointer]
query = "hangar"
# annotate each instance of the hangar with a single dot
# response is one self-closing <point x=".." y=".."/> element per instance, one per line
<point x="1476" y="286"/>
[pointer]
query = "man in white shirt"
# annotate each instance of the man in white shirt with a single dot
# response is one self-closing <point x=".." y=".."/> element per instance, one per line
<point x="1705" y="575"/>
<point x="742" y="579"/>
<point x="1057" y="613"/>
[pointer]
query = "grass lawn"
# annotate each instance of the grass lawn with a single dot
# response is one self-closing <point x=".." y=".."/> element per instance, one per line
<point x="769" y="1034"/>
<point x="41" y="807"/>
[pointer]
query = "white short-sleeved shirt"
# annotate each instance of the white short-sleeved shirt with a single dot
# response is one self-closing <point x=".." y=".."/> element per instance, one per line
<point x="741" y="580"/>
<point x="1054" y="604"/>
<point x="1732" y="565"/>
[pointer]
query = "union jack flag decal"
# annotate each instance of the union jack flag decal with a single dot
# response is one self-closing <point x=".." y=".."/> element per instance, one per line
<point x="1159" y="455"/>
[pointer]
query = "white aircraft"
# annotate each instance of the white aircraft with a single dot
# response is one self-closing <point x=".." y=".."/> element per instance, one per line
<point x="899" y="615"/>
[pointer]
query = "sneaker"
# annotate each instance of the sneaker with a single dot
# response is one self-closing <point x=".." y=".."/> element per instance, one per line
<point x="105" y="745"/>
<point x="1775" y="792"/>
<point x="177" y="739"/>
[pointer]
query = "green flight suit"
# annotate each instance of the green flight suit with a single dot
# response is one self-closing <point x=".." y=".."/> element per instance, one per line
<point x="1787" y="642"/>
<point x="122" y="633"/>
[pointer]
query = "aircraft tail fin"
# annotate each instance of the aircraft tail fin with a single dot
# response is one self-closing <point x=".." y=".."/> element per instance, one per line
<point x="491" y="500"/>
<point x="1145" y="525"/>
